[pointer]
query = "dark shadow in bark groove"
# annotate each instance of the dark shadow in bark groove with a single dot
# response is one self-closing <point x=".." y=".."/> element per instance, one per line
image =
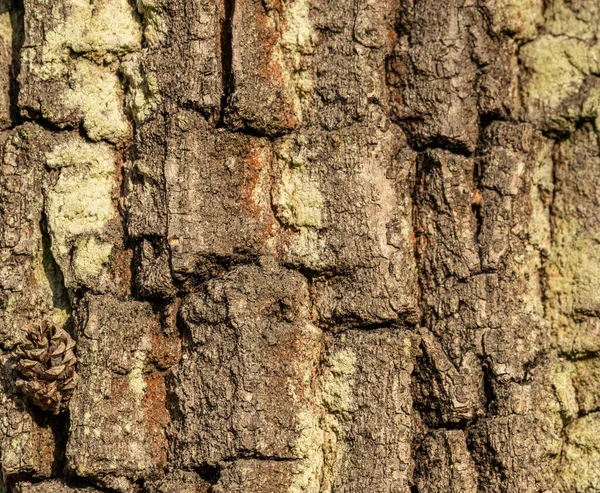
<point x="60" y="297"/>
<point x="227" y="56"/>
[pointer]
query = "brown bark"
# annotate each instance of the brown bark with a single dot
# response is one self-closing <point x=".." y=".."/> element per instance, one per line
<point x="302" y="245"/>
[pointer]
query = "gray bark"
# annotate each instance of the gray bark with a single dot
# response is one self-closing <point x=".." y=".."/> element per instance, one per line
<point x="305" y="246"/>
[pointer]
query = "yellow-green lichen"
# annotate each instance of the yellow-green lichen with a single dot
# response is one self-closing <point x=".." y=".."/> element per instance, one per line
<point x="557" y="67"/>
<point x="97" y="93"/>
<point x="299" y="201"/>
<point x="136" y="381"/>
<point x="137" y="384"/>
<point x="320" y="444"/>
<point x="97" y="33"/>
<point x="542" y="188"/>
<point x="89" y="258"/>
<point x="337" y="388"/>
<point x="155" y="29"/>
<point x="142" y="98"/>
<point x="580" y="471"/>
<point x="297" y="40"/>
<point x="580" y="22"/>
<point x="81" y="200"/>
<point x="298" y="32"/>
<point x="6" y="28"/>
<point x="309" y="247"/>
<point x="561" y="378"/>
<point x="100" y="28"/>
<point x="520" y="18"/>
<point x="309" y="448"/>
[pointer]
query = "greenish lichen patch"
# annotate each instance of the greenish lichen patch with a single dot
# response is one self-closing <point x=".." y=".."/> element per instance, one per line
<point x="321" y="441"/>
<point x="89" y="258"/>
<point x="580" y="471"/>
<point x="102" y="28"/>
<point x="520" y="18"/>
<point x="299" y="201"/>
<point x="80" y="203"/>
<point x="577" y="20"/>
<point x="136" y="375"/>
<point x="561" y="378"/>
<point x="557" y="68"/>
<point x="298" y="39"/>
<point x="97" y="93"/>
<point x="143" y="97"/>
<point x="155" y="29"/>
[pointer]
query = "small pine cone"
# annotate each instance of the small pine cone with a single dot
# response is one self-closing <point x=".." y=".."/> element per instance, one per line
<point x="46" y="369"/>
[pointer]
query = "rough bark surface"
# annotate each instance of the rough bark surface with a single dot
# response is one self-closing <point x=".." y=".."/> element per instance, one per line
<point x="304" y="246"/>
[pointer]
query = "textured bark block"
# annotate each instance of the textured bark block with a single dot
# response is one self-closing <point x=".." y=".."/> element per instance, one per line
<point x="518" y="448"/>
<point x="347" y="63"/>
<point x="446" y="227"/>
<point x="118" y="410"/>
<point x="217" y="194"/>
<point x="55" y="486"/>
<point x="179" y="482"/>
<point x="145" y="198"/>
<point x="180" y="63"/>
<point x="439" y="100"/>
<point x="245" y="379"/>
<point x="449" y="394"/>
<point x="263" y="95"/>
<point x="153" y="273"/>
<point x="515" y="311"/>
<point x="31" y="283"/>
<point x="257" y="476"/>
<point x="342" y="199"/>
<point x="368" y="426"/>
<point x="28" y="443"/>
<point x="574" y="267"/>
<point x="66" y="74"/>
<point x="444" y="464"/>
<point x="447" y="224"/>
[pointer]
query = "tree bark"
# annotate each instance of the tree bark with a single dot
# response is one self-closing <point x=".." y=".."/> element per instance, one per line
<point x="305" y="246"/>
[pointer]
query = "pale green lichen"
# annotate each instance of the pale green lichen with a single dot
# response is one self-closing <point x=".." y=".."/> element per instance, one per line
<point x="298" y="32"/>
<point x="104" y="27"/>
<point x="297" y="40"/>
<point x="81" y="200"/>
<point x="542" y="188"/>
<point x="98" y="94"/>
<point x="309" y="246"/>
<point x="89" y="258"/>
<point x="580" y="22"/>
<point x="520" y="18"/>
<point x="338" y="383"/>
<point x="137" y="384"/>
<point x="143" y="97"/>
<point x="320" y="444"/>
<point x="561" y="378"/>
<point x="299" y="201"/>
<point x="99" y="32"/>
<point x="155" y="28"/>
<point x="337" y="399"/>
<point x="580" y="471"/>
<point x="309" y="448"/>
<point x="6" y="28"/>
<point x="591" y="107"/>
<point x="558" y="67"/>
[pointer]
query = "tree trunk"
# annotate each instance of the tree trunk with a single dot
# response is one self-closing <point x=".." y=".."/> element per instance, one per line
<point x="302" y="246"/>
